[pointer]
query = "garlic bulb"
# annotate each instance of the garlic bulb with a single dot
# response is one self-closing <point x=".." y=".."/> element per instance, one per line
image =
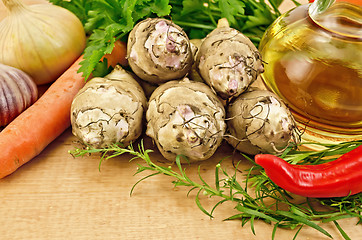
<point x="42" y="40"/>
<point x="17" y="92"/>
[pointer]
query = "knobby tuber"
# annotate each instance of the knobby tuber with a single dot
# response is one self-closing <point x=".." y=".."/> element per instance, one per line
<point x="194" y="74"/>
<point x="228" y="61"/>
<point x="258" y="122"/>
<point x="109" y="110"/>
<point x="185" y="118"/>
<point x="159" y="50"/>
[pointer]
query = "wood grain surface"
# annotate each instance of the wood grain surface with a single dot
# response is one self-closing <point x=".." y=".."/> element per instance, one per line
<point x="56" y="196"/>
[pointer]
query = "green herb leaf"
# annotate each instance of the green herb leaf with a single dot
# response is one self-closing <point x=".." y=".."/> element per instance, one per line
<point x="303" y="220"/>
<point x="258" y="214"/>
<point x="271" y="204"/>
<point x="230" y="9"/>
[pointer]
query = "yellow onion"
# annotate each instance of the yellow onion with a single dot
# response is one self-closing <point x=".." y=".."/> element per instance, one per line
<point x="42" y="40"/>
<point x="3" y="10"/>
<point x="17" y="92"/>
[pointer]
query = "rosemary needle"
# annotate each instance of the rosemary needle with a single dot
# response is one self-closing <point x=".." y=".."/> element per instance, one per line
<point x="252" y="196"/>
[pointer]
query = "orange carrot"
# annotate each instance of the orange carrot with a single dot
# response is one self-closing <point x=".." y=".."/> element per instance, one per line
<point x="28" y="134"/>
<point x="35" y="128"/>
<point x="117" y="56"/>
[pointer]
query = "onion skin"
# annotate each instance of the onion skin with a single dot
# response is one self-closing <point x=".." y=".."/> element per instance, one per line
<point x="17" y="92"/>
<point x="4" y="11"/>
<point x="42" y="40"/>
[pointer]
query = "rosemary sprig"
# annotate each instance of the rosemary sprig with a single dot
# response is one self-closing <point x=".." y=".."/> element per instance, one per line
<point x="256" y="197"/>
<point x="330" y="152"/>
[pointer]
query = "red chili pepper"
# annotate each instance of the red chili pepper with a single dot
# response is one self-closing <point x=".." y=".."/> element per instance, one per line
<point x="338" y="178"/>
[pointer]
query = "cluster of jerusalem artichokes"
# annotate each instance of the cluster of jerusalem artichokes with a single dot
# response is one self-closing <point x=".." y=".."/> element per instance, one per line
<point x="185" y="116"/>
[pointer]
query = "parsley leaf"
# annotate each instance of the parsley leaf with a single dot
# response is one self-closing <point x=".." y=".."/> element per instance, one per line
<point x="230" y="9"/>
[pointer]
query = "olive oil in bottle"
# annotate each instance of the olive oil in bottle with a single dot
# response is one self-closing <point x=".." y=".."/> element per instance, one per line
<point x="314" y="63"/>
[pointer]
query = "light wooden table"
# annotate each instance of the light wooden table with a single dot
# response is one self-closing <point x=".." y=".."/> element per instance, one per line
<point x="56" y="196"/>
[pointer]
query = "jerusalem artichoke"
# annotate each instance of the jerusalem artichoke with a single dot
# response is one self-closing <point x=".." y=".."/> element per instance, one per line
<point x="158" y="51"/>
<point x="228" y="61"/>
<point x="109" y="110"/>
<point x="185" y="118"/>
<point x="259" y="122"/>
